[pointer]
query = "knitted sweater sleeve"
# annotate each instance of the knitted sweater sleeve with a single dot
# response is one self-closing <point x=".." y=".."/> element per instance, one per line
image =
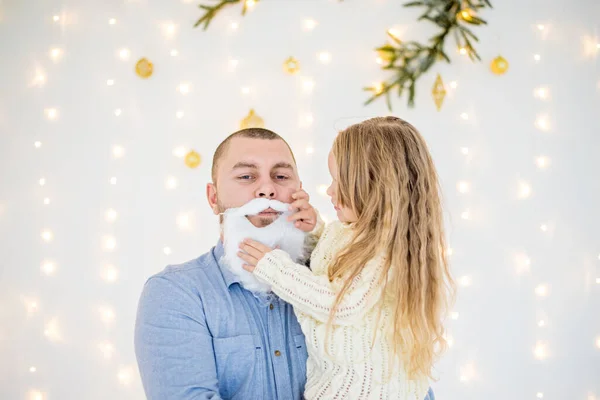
<point x="315" y="295"/>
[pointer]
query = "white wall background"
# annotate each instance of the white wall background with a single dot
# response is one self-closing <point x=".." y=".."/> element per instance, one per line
<point x="527" y="322"/>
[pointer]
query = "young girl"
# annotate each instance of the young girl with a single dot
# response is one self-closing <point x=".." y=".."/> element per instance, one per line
<point x="372" y="304"/>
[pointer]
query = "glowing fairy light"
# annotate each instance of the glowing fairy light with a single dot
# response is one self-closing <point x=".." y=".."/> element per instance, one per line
<point x="42" y="181"/>
<point x="537" y="57"/>
<point x="52" y="331"/>
<point x="113" y="180"/>
<point x="464" y="151"/>
<point x="167" y="251"/>
<point x="465" y="281"/>
<point x="125" y="375"/>
<point x="464" y="116"/>
<point x="51" y="114"/>
<point x="110" y="273"/>
<point x="118" y="151"/>
<point x="118" y="112"/>
<point x="174" y="53"/>
<point x="325" y="57"/>
<point x="453" y="84"/>
<point x="310" y="150"/>
<point x="540" y="351"/>
<point x="169" y="29"/>
<point x="110" y="82"/>
<point x="466" y="215"/>
<point x="46" y="201"/>
<point x="522" y="263"/>
<point x="171" y="183"/>
<point x="542" y="162"/>
<point x="184" y="221"/>
<point x="467" y="373"/>
<point x="542" y="290"/>
<point x="234" y="26"/>
<point x="233" y="64"/>
<point x="107" y="349"/>
<point x="124" y="54"/>
<point x="309" y="24"/>
<point x="454" y="315"/>
<point x="245" y="90"/>
<point x="463" y="186"/>
<point x="47" y="235"/>
<point x="56" y="54"/>
<point x="31" y="305"/>
<point x="48" y="268"/>
<point x="107" y="315"/>
<point x="179" y="114"/>
<point x="184" y="88"/>
<point x="308" y="85"/>
<point x="112" y="21"/>
<point x="36" y="395"/>
<point x="524" y="190"/>
<point x="110" y="215"/>
<point x="32" y="369"/>
<point x="38" y="144"/>
<point x="180" y="152"/>
<point x="542" y="93"/>
<point x="323" y="189"/>
<point x="109" y="243"/>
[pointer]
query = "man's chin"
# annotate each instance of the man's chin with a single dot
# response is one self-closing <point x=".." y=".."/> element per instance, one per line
<point x="260" y="221"/>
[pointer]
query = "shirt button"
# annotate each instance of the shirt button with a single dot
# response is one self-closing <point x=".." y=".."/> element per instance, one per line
<point x="277" y="353"/>
<point x="271" y="306"/>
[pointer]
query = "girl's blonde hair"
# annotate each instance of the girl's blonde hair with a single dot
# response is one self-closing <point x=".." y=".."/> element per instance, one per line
<point x="387" y="177"/>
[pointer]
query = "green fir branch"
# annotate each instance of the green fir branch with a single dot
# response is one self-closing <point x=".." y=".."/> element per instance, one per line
<point x="409" y="61"/>
<point x="211" y="11"/>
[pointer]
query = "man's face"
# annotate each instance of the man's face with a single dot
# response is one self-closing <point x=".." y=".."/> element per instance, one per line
<point x="253" y="168"/>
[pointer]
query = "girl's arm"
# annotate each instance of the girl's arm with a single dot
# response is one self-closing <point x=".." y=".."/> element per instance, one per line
<point x="315" y="295"/>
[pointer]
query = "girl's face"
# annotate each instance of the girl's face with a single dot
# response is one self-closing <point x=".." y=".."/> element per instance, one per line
<point x="344" y="214"/>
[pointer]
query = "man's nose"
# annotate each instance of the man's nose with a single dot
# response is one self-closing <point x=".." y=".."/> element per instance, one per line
<point x="267" y="190"/>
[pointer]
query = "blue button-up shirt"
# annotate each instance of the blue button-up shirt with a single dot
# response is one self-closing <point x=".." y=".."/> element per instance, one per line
<point x="200" y="335"/>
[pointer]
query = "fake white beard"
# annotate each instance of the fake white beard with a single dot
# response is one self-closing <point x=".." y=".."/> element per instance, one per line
<point x="236" y="227"/>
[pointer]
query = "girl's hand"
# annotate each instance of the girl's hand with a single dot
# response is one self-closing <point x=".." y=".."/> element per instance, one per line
<point x="306" y="216"/>
<point x="252" y="253"/>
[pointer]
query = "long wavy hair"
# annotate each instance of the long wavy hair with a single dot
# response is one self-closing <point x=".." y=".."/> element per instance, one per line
<point x="387" y="177"/>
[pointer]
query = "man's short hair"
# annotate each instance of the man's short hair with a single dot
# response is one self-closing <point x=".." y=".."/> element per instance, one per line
<point x="252" y="133"/>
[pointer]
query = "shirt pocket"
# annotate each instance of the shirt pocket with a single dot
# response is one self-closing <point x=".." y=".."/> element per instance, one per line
<point x="300" y="345"/>
<point x="238" y="370"/>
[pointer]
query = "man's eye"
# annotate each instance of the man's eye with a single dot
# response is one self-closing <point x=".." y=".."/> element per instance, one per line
<point x="282" y="177"/>
<point x="245" y="177"/>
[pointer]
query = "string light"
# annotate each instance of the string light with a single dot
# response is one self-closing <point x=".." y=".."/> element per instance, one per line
<point x="171" y="183"/>
<point x="31" y="305"/>
<point x="47" y="235"/>
<point x="542" y="93"/>
<point x="540" y="395"/>
<point x="39" y="78"/>
<point x="233" y="64"/>
<point x="463" y="186"/>
<point x="310" y="150"/>
<point x="174" y="53"/>
<point x="107" y="349"/>
<point x="183" y="221"/>
<point x="540" y="351"/>
<point x="453" y="84"/>
<point x="541" y="290"/>
<point x="110" y="273"/>
<point x="449" y="251"/>
<point x="169" y="29"/>
<point x="112" y="21"/>
<point x="180" y="152"/>
<point x="523" y="263"/>
<point x="42" y="181"/>
<point x="32" y="369"/>
<point x="325" y="57"/>
<point x="544" y="228"/>
<point x="524" y="190"/>
<point x="323" y="189"/>
<point x="308" y="85"/>
<point x="234" y="26"/>
<point x="464" y="116"/>
<point x="52" y="331"/>
<point x="542" y="162"/>
<point x="537" y="57"/>
<point x="179" y="114"/>
<point x="118" y="112"/>
<point x="542" y="123"/>
<point x="37" y="144"/>
<point x="250" y="4"/>
<point x="48" y="268"/>
<point x="465" y="215"/>
<point x="107" y="315"/>
<point x="462" y="50"/>
<point x="309" y="24"/>
<point x="110" y="243"/>
<point x="56" y="54"/>
<point x="184" y="88"/>
<point x="110" y="82"/>
<point x="36" y="395"/>
<point x="465" y="281"/>
<point x="46" y="201"/>
<point x="245" y="90"/>
<point x="454" y="315"/>
<point x="51" y="113"/>
<point x="125" y="375"/>
<point x="124" y="54"/>
<point x="598" y="342"/>
<point x="56" y="18"/>
<point x="110" y="215"/>
<point x="541" y="323"/>
<point x="464" y="151"/>
<point x="167" y="251"/>
<point x="467" y="372"/>
<point x="113" y="180"/>
<point x="118" y="151"/>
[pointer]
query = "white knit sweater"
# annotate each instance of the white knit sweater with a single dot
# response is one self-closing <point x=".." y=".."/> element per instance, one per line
<point x="350" y="369"/>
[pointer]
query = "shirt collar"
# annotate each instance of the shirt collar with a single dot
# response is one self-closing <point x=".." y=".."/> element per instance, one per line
<point x="229" y="277"/>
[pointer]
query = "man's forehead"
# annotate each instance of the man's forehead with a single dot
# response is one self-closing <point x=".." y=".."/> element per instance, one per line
<point x="259" y="152"/>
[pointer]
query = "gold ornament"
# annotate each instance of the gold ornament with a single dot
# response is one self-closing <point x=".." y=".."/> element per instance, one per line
<point x="438" y="92"/>
<point x="291" y="66"/>
<point x="499" y="65"/>
<point x="192" y="159"/>
<point x="252" y="121"/>
<point x="144" y="68"/>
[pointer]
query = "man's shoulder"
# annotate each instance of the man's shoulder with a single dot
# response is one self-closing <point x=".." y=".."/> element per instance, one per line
<point x="189" y="273"/>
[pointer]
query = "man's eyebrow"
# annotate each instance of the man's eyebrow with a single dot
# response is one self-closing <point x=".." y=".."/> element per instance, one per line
<point x="243" y="164"/>
<point x="283" y="165"/>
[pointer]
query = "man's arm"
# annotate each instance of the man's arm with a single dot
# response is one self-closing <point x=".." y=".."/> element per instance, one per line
<point x="173" y="346"/>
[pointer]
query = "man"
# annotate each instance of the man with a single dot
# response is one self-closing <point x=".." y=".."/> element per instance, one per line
<point x="200" y="334"/>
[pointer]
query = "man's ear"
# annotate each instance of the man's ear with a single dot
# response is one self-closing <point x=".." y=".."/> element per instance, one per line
<point x="211" y="196"/>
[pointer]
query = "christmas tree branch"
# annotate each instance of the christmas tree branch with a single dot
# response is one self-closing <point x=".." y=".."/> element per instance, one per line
<point x="211" y="11"/>
<point x="408" y="61"/>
